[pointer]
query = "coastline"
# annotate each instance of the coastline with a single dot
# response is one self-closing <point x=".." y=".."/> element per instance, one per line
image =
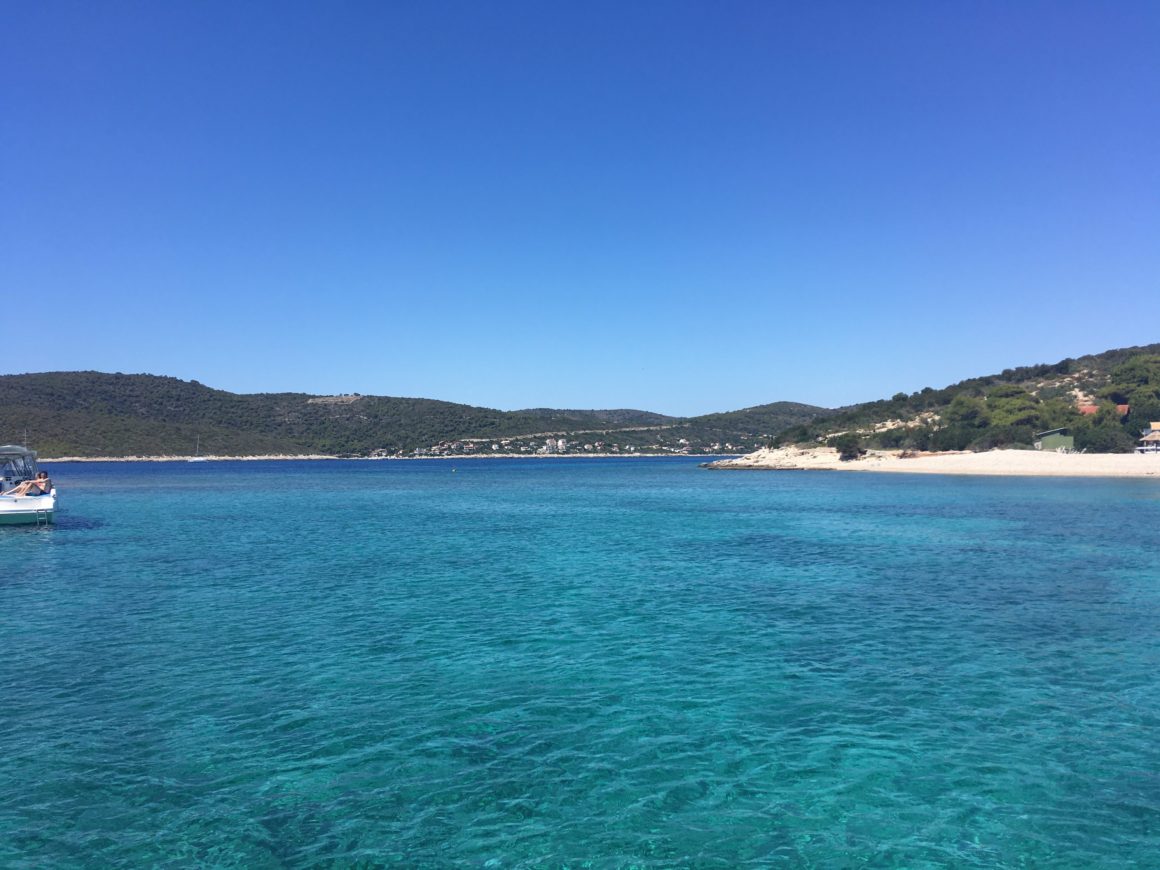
<point x="320" y="456"/>
<point x="998" y="463"/>
<point x="43" y="459"/>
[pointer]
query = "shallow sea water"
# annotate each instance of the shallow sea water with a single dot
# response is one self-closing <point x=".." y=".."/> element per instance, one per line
<point x="581" y="664"/>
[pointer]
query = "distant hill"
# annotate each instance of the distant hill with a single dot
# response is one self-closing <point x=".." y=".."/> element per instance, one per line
<point x="1105" y="400"/>
<point x="95" y="414"/>
<point x="621" y="416"/>
<point x="761" y="418"/>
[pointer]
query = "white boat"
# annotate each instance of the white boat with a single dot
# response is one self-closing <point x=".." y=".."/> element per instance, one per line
<point x="197" y="457"/>
<point x="18" y="464"/>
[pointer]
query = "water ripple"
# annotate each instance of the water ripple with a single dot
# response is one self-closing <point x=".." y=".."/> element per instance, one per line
<point x="635" y="665"/>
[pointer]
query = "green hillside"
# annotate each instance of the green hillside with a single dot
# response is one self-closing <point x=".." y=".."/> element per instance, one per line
<point x="94" y="414"/>
<point x="616" y="417"/>
<point x="1010" y="408"/>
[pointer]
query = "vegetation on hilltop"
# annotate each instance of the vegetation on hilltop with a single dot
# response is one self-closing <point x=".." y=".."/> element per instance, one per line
<point x="754" y="425"/>
<point x="618" y="416"/>
<point x="1009" y="409"/>
<point x="96" y="414"/>
<point x="774" y="416"/>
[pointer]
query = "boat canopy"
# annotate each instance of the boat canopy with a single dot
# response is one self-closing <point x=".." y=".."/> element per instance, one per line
<point x="17" y="463"/>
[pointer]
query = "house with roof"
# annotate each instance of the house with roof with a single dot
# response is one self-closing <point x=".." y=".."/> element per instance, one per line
<point x="1150" y="442"/>
<point x="1089" y="410"/>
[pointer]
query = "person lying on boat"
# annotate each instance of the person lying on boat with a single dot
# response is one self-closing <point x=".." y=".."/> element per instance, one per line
<point x="41" y="483"/>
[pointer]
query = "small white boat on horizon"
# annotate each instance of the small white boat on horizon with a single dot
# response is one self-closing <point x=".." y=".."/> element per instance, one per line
<point x="17" y="466"/>
<point x="197" y="457"/>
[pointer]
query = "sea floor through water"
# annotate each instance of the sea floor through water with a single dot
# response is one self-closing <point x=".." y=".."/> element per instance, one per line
<point x="579" y="663"/>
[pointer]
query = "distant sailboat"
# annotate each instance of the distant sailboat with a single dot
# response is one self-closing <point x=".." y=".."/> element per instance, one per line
<point x="197" y="457"/>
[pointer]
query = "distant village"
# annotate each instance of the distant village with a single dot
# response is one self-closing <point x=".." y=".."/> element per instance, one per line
<point x="664" y="441"/>
<point x="562" y="446"/>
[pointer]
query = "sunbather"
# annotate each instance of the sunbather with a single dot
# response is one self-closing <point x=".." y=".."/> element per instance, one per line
<point x="41" y="483"/>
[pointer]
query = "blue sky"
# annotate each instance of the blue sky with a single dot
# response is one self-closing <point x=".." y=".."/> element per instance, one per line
<point x="682" y="207"/>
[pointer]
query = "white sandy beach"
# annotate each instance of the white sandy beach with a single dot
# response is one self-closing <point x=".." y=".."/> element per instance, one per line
<point x="995" y="462"/>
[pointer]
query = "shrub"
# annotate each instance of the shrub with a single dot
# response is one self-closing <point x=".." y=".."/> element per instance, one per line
<point x="848" y="445"/>
<point x="1101" y="439"/>
<point x="953" y="438"/>
<point x="1004" y="436"/>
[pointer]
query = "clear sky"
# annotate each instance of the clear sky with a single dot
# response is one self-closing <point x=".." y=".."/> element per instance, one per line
<point x="676" y="206"/>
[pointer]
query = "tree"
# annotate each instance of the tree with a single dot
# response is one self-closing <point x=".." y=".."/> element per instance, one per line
<point x="1135" y="381"/>
<point x="1141" y="417"/>
<point x="1103" y="439"/>
<point x="967" y="412"/>
<point x="953" y="438"/>
<point x="848" y="445"/>
<point x="1003" y="436"/>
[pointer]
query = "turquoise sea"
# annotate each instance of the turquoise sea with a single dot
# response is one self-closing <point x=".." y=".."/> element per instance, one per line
<point x="580" y="664"/>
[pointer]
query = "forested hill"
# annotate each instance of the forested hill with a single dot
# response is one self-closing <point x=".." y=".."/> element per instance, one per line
<point x="95" y="414"/>
<point x="1104" y="401"/>
<point x="620" y="416"/>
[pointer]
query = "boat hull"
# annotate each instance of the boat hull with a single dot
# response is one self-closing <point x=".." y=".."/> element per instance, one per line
<point x="31" y="510"/>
